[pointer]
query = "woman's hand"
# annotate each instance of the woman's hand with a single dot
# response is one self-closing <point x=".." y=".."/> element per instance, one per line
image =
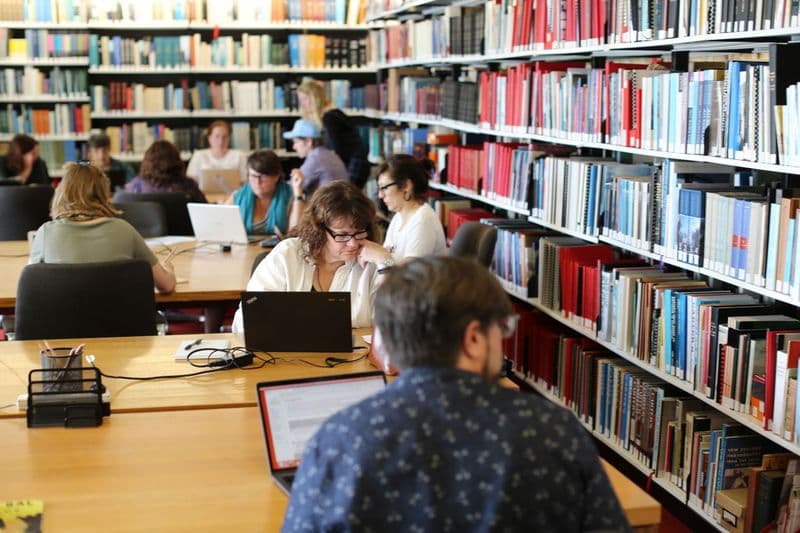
<point x="372" y="252"/>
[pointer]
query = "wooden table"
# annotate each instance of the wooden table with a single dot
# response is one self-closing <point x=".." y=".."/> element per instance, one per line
<point x="150" y="356"/>
<point x="179" y="471"/>
<point x="208" y="274"/>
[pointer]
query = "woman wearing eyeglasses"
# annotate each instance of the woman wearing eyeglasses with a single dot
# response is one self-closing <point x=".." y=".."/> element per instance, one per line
<point x="267" y="202"/>
<point x="415" y="230"/>
<point x="323" y="253"/>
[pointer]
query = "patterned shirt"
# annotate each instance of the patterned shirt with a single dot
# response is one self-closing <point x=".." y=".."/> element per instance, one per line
<point x="442" y="450"/>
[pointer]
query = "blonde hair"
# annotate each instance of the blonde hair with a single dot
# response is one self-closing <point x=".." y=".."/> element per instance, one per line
<point x="319" y="101"/>
<point x="84" y="192"/>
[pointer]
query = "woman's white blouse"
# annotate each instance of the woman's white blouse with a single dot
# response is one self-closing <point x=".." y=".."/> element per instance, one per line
<point x="420" y="236"/>
<point x="286" y="269"/>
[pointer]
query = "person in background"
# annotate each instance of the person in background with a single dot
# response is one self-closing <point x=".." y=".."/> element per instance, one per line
<point x="219" y="154"/>
<point x="22" y="162"/>
<point x="444" y="447"/>
<point x="321" y="165"/>
<point x="267" y="202"/>
<point x="85" y="229"/>
<point x="323" y="252"/>
<point x="338" y="131"/>
<point x="162" y="171"/>
<point x="415" y="230"/>
<point x="99" y="154"/>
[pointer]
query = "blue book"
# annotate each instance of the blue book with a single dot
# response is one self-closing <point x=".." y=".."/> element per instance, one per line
<point x="712" y="454"/>
<point x="626" y="405"/>
<point x="294" y="47"/>
<point x="735" y="245"/>
<point x="600" y="423"/>
<point x="116" y="50"/>
<point x="734" y="67"/>
<point x="787" y="265"/>
<point x="591" y="213"/>
<point x="744" y="239"/>
<point x="70" y="152"/>
<point x="692" y="115"/>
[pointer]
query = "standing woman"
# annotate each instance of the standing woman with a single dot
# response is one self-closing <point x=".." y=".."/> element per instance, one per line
<point x="22" y="162"/>
<point x="268" y="203"/>
<point x="415" y="230"/>
<point x="85" y="229"/>
<point x="339" y="132"/>
<point x="219" y="154"/>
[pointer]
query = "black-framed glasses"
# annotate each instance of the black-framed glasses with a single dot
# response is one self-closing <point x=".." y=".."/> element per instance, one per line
<point x="382" y="188"/>
<point x="345" y="237"/>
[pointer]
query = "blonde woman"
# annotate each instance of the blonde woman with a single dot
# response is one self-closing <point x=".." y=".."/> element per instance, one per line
<point x="339" y="132"/>
<point x="85" y="229"/>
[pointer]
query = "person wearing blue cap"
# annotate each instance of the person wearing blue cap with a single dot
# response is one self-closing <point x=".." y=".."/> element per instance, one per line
<point x="321" y="165"/>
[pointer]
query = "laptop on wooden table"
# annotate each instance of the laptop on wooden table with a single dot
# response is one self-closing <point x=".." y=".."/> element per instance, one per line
<point x="219" y="223"/>
<point x="293" y="410"/>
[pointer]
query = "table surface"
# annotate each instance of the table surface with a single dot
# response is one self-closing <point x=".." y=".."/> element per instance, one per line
<point x="206" y="274"/>
<point x="151" y="356"/>
<point x="176" y="471"/>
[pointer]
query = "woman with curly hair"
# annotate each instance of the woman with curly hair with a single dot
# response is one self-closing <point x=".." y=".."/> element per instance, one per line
<point x="325" y="252"/>
<point x="162" y="171"/>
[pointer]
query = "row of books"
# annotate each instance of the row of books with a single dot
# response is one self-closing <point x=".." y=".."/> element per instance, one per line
<point x="407" y="92"/>
<point x="722" y="469"/>
<point x="725" y="108"/>
<point x="30" y="81"/>
<point x="508" y="26"/>
<point x="56" y="153"/>
<point x="136" y="137"/>
<point x="215" y="11"/>
<point x="62" y="119"/>
<point x="252" y="51"/>
<point x="37" y="44"/>
<point x="236" y="96"/>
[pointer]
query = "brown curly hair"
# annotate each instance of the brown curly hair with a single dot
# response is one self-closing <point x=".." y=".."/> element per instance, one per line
<point x="335" y="201"/>
<point x="162" y="164"/>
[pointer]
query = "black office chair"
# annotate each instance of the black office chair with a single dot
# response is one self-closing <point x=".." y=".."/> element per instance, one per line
<point x="476" y="240"/>
<point x="174" y="204"/>
<point x="23" y="209"/>
<point x="110" y="299"/>
<point x="257" y="260"/>
<point x="148" y="218"/>
<point x="6" y="182"/>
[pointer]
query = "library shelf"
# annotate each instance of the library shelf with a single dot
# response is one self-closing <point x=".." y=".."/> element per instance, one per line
<point x="406" y="8"/>
<point x="579" y="143"/>
<point x="684" y="386"/>
<point x="565" y="231"/>
<point x="670" y="488"/>
<point x="232" y="70"/>
<point x="44" y="62"/>
<point x="287" y="25"/>
<point x="34" y="25"/>
<point x="199" y="113"/>
<point x="502" y="203"/>
<point x="5" y="137"/>
<point x="42" y="98"/>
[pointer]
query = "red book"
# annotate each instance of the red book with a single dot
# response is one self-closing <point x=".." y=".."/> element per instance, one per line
<point x="527" y="17"/>
<point x="577" y="254"/>
<point x="539" y="23"/>
<point x="769" y="393"/>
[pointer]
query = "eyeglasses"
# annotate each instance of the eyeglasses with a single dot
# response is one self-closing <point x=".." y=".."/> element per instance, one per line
<point x="345" y="237"/>
<point x="508" y="325"/>
<point x="382" y="188"/>
<point x="256" y="176"/>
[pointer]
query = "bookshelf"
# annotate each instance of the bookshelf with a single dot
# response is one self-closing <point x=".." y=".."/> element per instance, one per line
<point x="515" y="54"/>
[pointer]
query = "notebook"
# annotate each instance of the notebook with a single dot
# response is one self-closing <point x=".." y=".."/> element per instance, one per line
<point x="219" y="223"/>
<point x="220" y="180"/>
<point x="281" y="321"/>
<point x="293" y="410"/>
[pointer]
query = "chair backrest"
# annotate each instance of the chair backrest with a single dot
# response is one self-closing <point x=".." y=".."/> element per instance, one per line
<point x="257" y="260"/>
<point x="174" y="204"/>
<point x="476" y="240"/>
<point x="62" y="301"/>
<point x="24" y="209"/>
<point x="148" y="218"/>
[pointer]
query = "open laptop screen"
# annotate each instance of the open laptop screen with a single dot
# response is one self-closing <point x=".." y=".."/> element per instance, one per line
<point x="292" y="411"/>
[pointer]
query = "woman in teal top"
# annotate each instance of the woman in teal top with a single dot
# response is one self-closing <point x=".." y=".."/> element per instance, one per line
<point x="268" y="203"/>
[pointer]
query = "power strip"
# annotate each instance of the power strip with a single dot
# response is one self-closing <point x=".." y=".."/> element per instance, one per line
<point x="22" y="400"/>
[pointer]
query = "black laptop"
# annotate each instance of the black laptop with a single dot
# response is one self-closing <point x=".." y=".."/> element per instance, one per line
<point x="292" y="411"/>
<point x="297" y="321"/>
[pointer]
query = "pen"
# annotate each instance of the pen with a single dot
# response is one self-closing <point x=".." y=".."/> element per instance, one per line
<point x="192" y="344"/>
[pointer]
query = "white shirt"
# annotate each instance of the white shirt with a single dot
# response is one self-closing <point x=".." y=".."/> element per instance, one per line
<point x="286" y="269"/>
<point x="421" y="235"/>
<point x="202" y="159"/>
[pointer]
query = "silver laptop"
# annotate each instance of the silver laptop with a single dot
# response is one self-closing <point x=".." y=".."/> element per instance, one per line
<point x="293" y="410"/>
<point x="218" y="223"/>
<point x="220" y="180"/>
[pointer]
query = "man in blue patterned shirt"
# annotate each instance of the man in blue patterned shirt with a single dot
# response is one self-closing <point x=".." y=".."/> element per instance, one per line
<point x="444" y="448"/>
